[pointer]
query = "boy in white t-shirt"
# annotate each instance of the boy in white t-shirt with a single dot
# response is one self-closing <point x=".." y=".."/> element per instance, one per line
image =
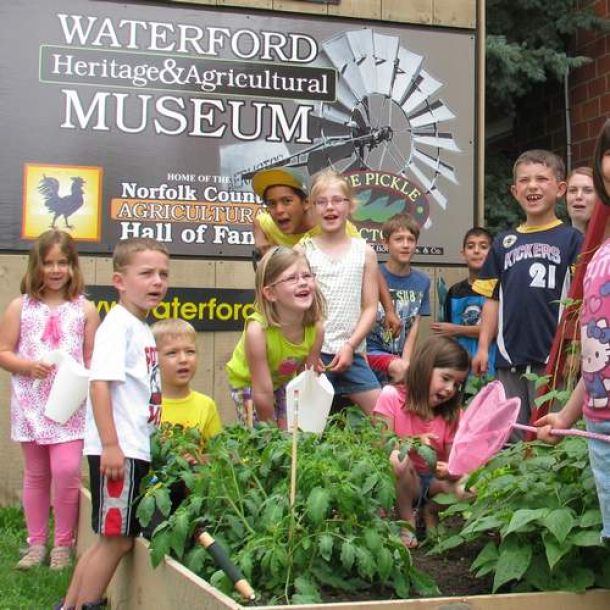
<point x="123" y="408"/>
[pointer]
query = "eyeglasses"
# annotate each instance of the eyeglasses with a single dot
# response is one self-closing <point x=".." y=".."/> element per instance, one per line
<point x="294" y="279"/>
<point x="336" y="201"/>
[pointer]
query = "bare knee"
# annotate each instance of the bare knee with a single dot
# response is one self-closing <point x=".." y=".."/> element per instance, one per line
<point x="117" y="545"/>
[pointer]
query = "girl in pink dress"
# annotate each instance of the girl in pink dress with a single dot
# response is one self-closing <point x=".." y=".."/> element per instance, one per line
<point x="52" y="313"/>
<point x="427" y="406"/>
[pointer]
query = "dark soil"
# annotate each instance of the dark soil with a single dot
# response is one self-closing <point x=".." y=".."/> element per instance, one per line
<point x="451" y="570"/>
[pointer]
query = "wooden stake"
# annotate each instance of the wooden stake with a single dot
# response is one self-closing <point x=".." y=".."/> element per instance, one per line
<point x="295" y="437"/>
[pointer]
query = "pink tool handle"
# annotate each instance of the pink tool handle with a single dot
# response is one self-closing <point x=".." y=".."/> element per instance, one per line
<point x="568" y="432"/>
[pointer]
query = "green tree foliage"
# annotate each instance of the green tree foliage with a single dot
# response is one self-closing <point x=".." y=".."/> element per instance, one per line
<point x="529" y="43"/>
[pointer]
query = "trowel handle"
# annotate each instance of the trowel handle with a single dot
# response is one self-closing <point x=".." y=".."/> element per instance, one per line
<point x="220" y="556"/>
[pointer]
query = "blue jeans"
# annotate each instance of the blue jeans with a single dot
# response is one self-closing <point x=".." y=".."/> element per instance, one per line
<point x="599" y="456"/>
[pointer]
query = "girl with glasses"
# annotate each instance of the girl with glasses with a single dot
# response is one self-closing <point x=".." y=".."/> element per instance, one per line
<point x="283" y="335"/>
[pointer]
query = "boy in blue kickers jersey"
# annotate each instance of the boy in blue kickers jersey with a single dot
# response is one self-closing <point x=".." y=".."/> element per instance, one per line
<point x="525" y="278"/>
<point x="463" y="306"/>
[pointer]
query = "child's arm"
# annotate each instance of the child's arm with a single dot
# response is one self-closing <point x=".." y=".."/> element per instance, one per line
<point x="260" y="239"/>
<point x="407" y="350"/>
<point x="92" y="321"/>
<point x="391" y="321"/>
<point x="489" y="326"/>
<point x="565" y="418"/>
<point x="112" y="461"/>
<point x="262" y="384"/>
<point x="370" y="299"/>
<point x="313" y="359"/>
<point x="9" y="337"/>
<point x="456" y="330"/>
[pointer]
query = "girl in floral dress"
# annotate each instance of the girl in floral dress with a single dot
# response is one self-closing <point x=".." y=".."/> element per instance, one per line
<point x="51" y="313"/>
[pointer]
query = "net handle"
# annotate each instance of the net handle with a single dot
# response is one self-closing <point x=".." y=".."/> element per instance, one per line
<point x="568" y="432"/>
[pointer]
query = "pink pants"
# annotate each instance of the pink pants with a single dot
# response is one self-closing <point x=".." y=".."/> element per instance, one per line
<point x="53" y="468"/>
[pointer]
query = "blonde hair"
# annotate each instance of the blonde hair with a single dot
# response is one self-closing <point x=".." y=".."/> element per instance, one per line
<point x="125" y="249"/>
<point x="438" y="351"/>
<point x="272" y="265"/>
<point x="32" y="282"/>
<point x="327" y="177"/>
<point x="173" y="328"/>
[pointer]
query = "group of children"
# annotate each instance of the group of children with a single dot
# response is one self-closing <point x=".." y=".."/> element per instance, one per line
<point x="317" y="305"/>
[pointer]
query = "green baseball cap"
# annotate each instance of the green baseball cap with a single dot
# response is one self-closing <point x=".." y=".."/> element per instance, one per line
<point x="278" y="176"/>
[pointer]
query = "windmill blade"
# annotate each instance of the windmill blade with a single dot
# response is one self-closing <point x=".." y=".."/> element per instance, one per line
<point x="386" y="57"/>
<point x="332" y="114"/>
<point x="436" y="140"/>
<point x="433" y="113"/>
<point x="407" y="69"/>
<point x="363" y="51"/>
<point x="439" y="167"/>
<point x="423" y="87"/>
<point x="429" y="185"/>
<point x="340" y="54"/>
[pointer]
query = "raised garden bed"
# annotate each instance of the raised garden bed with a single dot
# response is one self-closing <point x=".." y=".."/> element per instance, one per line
<point x="170" y="586"/>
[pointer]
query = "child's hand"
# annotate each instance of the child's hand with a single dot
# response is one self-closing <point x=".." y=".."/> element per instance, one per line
<point x="544" y="425"/>
<point x="392" y="323"/>
<point x="342" y="360"/>
<point x="442" y="470"/>
<point x="39" y="369"/>
<point x="398" y="465"/>
<point x="112" y="462"/>
<point x="427" y="438"/>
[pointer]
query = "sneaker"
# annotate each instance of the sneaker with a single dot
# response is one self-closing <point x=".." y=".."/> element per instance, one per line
<point x="34" y="556"/>
<point x="61" y="557"/>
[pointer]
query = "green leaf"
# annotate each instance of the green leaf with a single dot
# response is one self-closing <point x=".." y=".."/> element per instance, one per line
<point x="179" y="532"/>
<point x="553" y="549"/>
<point x="348" y="554"/>
<point x="146" y="508"/>
<point x="513" y="561"/>
<point x="591" y="518"/>
<point x="490" y="522"/>
<point x="423" y="583"/>
<point x="488" y="555"/>
<point x="585" y="538"/>
<point x="195" y="558"/>
<point x="325" y="546"/>
<point x="523" y="517"/>
<point x="306" y="587"/>
<point x="163" y="500"/>
<point x="385" y="563"/>
<point x="159" y="547"/>
<point x="372" y="539"/>
<point x="401" y="583"/>
<point x="369" y="483"/>
<point x="317" y="504"/>
<point x="366" y="563"/>
<point x="428" y="454"/>
<point x="559" y="522"/>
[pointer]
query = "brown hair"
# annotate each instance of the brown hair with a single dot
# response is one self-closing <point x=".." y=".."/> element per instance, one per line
<point x="438" y="351"/>
<point x="125" y="249"/>
<point x="582" y="170"/>
<point x="272" y="265"/>
<point x="329" y="176"/>
<point x="544" y="157"/>
<point x="601" y="147"/>
<point x="32" y="282"/>
<point x="173" y="328"/>
<point x="399" y="222"/>
<point x="477" y="232"/>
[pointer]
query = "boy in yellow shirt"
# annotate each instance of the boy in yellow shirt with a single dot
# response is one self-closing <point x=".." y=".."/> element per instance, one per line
<point x="177" y="347"/>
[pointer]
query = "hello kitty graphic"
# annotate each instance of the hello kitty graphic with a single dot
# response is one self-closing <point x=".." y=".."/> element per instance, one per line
<point x="595" y="360"/>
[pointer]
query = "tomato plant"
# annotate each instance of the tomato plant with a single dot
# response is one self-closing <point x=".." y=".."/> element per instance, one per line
<point x="537" y="508"/>
<point x="337" y="537"/>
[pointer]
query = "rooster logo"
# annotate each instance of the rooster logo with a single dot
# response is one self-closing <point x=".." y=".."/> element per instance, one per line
<point x="57" y="205"/>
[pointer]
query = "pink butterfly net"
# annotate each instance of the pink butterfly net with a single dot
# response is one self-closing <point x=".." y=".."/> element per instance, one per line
<point x="486" y="425"/>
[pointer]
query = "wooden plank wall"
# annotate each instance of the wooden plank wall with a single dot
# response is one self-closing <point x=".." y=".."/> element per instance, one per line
<point x="216" y="348"/>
